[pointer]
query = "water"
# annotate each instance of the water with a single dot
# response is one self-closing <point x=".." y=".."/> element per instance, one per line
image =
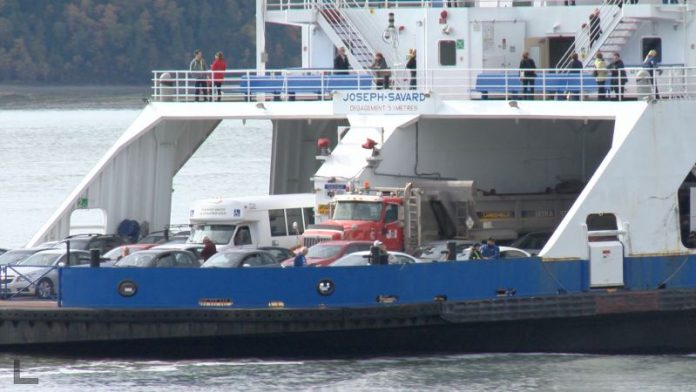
<point x="475" y="373"/>
<point x="46" y="150"/>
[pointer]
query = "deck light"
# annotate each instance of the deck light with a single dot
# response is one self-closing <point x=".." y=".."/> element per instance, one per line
<point x="369" y="144"/>
<point x="324" y="146"/>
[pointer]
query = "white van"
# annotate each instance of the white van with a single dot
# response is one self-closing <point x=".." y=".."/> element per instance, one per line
<point x="250" y="222"/>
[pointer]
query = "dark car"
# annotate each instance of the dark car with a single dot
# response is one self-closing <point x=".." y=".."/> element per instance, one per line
<point x="103" y="242"/>
<point x="14" y="256"/>
<point x="159" y="259"/>
<point x="237" y="258"/>
<point x="279" y="253"/>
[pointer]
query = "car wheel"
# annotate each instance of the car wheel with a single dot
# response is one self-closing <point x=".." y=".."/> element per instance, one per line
<point x="44" y="289"/>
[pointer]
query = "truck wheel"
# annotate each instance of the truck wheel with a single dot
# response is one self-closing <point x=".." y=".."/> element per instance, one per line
<point x="44" y="289"/>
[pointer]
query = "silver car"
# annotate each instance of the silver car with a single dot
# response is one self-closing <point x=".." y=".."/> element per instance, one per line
<point x="38" y="274"/>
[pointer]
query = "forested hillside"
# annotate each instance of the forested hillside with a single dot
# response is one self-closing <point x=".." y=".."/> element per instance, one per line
<point x="122" y="41"/>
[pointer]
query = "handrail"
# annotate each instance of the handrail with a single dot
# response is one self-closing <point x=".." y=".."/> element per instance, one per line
<point x="289" y="5"/>
<point x="20" y="279"/>
<point x="671" y="82"/>
<point x="602" y="31"/>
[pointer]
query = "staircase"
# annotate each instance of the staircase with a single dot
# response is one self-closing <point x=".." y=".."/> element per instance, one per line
<point x="331" y="18"/>
<point x="412" y="218"/>
<point x="614" y="30"/>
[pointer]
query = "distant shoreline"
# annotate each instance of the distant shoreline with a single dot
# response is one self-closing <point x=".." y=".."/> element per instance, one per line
<point x="37" y="96"/>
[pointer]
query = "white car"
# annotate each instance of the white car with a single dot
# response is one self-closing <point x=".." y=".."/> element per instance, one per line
<point x="361" y="258"/>
<point x="38" y="274"/>
<point x="506" y="252"/>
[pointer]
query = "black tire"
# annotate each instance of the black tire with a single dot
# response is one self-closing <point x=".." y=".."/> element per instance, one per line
<point x="45" y="289"/>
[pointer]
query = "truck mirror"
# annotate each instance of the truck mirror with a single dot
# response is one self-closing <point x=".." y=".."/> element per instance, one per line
<point x="296" y="227"/>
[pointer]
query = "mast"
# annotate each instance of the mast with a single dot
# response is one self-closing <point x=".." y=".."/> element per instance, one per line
<point x="261" y="55"/>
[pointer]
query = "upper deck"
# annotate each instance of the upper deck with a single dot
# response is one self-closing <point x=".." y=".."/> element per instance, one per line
<point x="670" y="81"/>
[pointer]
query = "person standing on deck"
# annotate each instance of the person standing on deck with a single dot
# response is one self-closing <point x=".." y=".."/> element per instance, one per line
<point x="341" y="63"/>
<point x="300" y="259"/>
<point x="383" y="74"/>
<point x="490" y="250"/>
<point x="527" y="76"/>
<point x="650" y="64"/>
<point x="198" y="68"/>
<point x="575" y="73"/>
<point x="412" y="66"/>
<point x="209" y="249"/>
<point x="218" y="67"/>
<point x="618" y="76"/>
<point x="601" y="74"/>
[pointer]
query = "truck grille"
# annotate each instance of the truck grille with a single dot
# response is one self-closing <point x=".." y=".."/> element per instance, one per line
<point x="311" y="241"/>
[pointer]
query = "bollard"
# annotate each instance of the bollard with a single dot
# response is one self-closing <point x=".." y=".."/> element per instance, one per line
<point x="94" y="256"/>
<point x="166" y="234"/>
<point x="451" y="251"/>
<point x="67" y="253"/>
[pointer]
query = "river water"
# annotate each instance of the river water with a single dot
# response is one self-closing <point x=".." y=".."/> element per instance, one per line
<point x="50" y="138"/>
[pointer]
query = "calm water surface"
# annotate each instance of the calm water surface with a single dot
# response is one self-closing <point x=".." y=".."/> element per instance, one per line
<point x="50" y="140"/>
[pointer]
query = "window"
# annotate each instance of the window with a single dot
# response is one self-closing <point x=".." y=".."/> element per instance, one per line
<point x="308" y="216"/>
<point x="166" y="261"/>
<point x="352" y="248"/>
<point x="597" y="222"/>
<point x="448" y="53"/>
<point x="649" y="43"/>
<point x="252" y="261"/>
<point x="266" y="259"/>
<point x="243" y="236"/>
<point x="294" y="215"/>
<point x="276" y="218"/>
<point x="184" y="260"/>
<point x="392" y="213"/>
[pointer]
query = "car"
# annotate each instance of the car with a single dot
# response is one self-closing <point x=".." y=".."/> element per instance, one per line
<point x="103" y="242"/>
<point x="193" y="248"/>
<point x="38" y="273"/>
<point x="115" y="253"/>
<point x="238" y="258"/>
<point x="506" y="252"/>
<point x="325" y="253"/>
<point x="278" y="252"/>
<point x="434" y="250"/>
<point x="532" y="242"/>
<point x="159" y="258"/>
<point x="362" y="258"/>
<point x="14" y="256"/>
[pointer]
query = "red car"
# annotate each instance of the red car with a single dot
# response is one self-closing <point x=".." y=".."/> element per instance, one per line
<point x="325" y="253"/>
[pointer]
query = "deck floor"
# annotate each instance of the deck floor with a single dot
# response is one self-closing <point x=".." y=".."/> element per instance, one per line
<point x="27" y="304"/>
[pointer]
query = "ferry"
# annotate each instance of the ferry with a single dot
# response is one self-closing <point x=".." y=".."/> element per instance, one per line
<point x="600" y="157"/>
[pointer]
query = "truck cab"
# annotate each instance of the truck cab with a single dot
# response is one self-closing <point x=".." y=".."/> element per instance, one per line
<point x="358" y="217"/>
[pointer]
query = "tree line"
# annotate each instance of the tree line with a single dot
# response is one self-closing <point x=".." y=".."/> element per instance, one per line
<point x="122" y="41"/>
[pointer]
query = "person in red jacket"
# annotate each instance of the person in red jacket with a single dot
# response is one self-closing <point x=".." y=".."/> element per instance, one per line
<point x="218" y="67"/>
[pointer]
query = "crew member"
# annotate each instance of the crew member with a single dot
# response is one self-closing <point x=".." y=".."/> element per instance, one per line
<point x="490" y="250"/>
<point x="300" y="259"/>
<point x="475" y="252"/>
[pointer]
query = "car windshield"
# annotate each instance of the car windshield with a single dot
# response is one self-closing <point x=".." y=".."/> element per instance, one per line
<point x="224" y="259"/>
<point x="358" y="210"/>
<point x="219" y="234"/>
<point x="41" y="259"/>
<point x="324" y="251"/>
<point x="152" y="238"/>
<point x="13" y="257"/>
<point x="136" y="260"/>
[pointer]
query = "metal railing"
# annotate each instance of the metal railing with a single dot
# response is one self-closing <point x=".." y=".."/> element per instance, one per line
<point x="285" y="5"/>
<point x="14" y="283"/>
<point x="670" y="82"/>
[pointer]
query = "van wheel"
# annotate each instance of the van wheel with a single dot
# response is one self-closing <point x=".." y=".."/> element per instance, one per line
<point x="44" y="289"/>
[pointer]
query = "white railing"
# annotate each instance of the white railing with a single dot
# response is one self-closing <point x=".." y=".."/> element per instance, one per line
<point x="284" y="5"/>
<point x="670" y="82"/>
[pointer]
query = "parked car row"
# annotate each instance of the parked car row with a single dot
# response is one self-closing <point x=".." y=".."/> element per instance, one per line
<point x="34" y="271"/>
